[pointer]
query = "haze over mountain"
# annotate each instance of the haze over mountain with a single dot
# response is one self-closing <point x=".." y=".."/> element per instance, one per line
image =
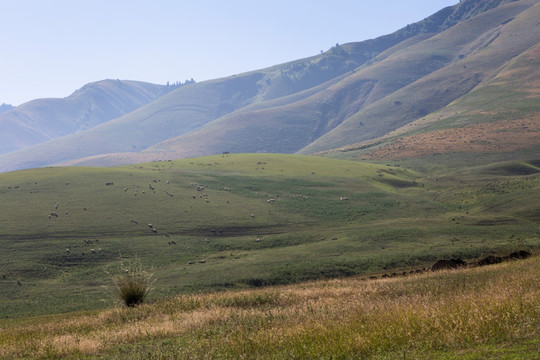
<point x="447" y="71"/>
<point x="45" y="119"/>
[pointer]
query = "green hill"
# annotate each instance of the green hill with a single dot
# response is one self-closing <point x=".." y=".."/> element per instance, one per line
<point x="237" y="221"/>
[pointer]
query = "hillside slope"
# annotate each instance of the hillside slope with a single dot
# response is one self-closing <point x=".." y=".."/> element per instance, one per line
<point x="180" y="111"/>
<point x="247" y="220"/>
<point x="475" y="61"/>
<point x="497" y="120"/>
<point x="45" y="119"/>
<point x="351" y="93"/>
<point x="408" y="81"/>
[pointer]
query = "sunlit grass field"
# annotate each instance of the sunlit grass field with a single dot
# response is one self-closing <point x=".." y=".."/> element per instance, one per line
<point x="476" y="313"/>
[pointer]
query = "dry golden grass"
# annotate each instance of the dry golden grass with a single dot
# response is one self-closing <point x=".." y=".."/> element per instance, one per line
<point x="347" y="318"/>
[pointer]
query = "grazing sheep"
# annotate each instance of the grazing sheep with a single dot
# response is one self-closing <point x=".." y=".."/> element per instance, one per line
<point x="150" y="226"/>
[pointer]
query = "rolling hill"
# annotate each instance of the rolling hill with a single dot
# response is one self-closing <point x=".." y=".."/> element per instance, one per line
<point x="44" y="119"/>
<point x="352" y="93"/>
<point x="247" y="220"/>
<point x="427" y="145"/>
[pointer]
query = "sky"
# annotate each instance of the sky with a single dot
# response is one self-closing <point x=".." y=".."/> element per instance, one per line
<point x="52" y="48"/>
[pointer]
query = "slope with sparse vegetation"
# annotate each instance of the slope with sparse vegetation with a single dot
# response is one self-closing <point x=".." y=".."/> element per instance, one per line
<point x="351" y="93"/>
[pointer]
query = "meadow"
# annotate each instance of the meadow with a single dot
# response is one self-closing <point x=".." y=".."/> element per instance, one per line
<point x="238" y="221"/>
<point x="476" y="313"/>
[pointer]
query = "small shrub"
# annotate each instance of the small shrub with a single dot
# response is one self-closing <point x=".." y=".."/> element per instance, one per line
<point x="133" y="284"/>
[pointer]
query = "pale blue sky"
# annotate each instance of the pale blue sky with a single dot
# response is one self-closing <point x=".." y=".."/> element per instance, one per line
<point x="51" y="48"/>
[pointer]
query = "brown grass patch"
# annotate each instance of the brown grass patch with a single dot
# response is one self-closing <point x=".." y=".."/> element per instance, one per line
<point x="340" y="318"/>
<point x="500" y="136"/>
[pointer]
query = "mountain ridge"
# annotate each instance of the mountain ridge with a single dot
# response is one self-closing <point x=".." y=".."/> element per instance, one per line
<point x="352" y="93"/>
<point x="45" y="119"/>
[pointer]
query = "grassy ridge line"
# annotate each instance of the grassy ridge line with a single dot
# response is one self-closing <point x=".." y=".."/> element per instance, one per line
<point x="483" y="312"/>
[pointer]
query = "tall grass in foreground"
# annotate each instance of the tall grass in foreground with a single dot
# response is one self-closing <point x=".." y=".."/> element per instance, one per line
<point x="472" y="313"/>
<point x="132" y="285"/>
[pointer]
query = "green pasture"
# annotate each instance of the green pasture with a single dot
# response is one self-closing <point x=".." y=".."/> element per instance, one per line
<point x="233" y="221"/>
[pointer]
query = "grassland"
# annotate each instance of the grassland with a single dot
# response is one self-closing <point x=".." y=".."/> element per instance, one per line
<point x="242" y="221"/>
<point x="477" y="313"/>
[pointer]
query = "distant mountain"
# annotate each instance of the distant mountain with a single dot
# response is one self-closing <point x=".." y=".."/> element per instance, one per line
<point x="353" y="97"/>
<point x="45" y="119"/>
<point x="5" y="107"/>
